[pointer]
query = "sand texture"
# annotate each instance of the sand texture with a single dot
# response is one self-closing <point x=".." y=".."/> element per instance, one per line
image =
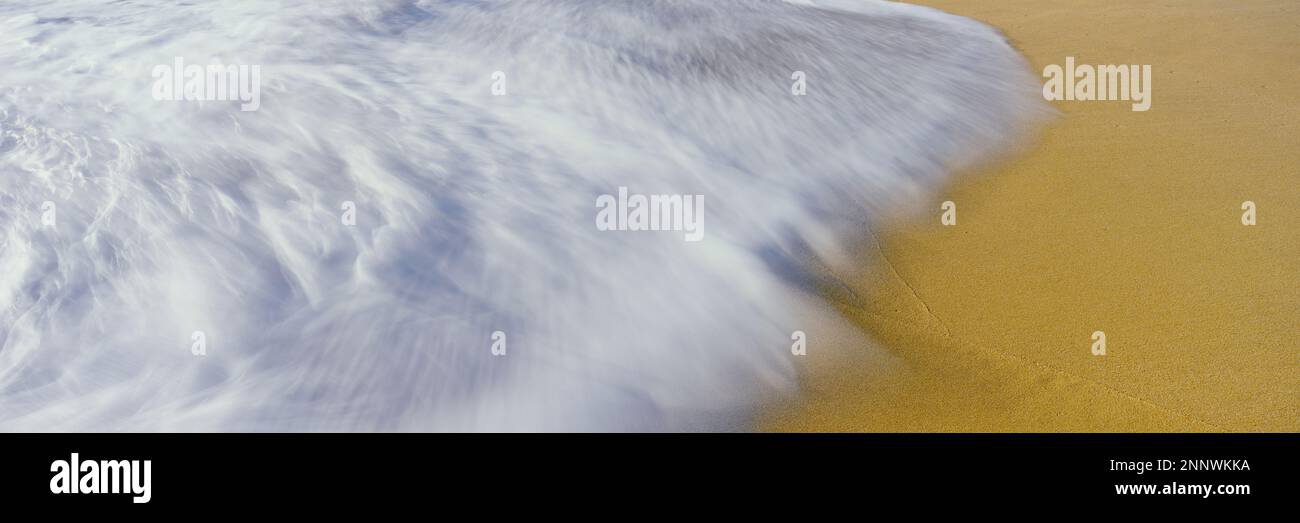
<point x="1110" y="220"/>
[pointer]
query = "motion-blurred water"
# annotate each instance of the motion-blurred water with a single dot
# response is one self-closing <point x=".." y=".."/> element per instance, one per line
<point x="475" y="213"/>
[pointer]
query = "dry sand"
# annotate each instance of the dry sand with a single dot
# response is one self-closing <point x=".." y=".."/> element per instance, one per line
<point x="1112" y="220"/>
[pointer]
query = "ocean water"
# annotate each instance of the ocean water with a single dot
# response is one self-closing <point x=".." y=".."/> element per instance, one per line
<point x="474" y="213"/>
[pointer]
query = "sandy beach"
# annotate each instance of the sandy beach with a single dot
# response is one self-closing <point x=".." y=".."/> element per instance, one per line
<point x="1111" y="220"/>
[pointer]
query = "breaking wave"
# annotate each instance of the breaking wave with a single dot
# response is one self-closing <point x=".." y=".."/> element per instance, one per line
<point x="474" y="213"/>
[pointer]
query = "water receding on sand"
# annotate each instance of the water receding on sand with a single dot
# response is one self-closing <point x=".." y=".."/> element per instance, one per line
<point x="470" y="142"/>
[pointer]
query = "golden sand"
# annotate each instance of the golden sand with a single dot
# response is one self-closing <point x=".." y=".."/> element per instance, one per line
<point x="1116" y="221"/>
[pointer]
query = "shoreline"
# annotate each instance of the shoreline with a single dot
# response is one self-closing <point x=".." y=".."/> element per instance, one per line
<point x="1111" y="220"/>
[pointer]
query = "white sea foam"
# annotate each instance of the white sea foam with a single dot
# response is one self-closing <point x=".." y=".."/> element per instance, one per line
<point x="474" y="213"/>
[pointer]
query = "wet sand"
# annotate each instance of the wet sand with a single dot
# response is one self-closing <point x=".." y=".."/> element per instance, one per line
<point x="1110" y="220"/>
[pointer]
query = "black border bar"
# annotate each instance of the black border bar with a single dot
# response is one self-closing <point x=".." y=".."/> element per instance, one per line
<point x="324" y="472"/>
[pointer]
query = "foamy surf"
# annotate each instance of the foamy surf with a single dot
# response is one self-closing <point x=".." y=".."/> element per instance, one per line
<point x="474" y="213"/>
